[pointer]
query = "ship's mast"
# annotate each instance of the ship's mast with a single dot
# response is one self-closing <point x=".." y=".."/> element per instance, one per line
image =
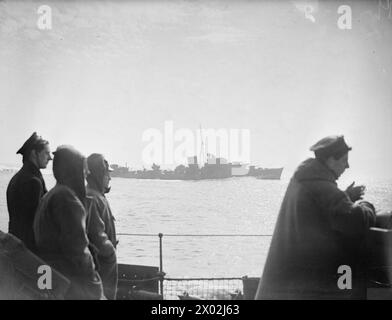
<point x="201" y="148"/>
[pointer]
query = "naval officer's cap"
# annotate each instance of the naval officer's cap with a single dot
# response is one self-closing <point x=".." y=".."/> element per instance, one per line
<point x="30" y="143"/>
<point x="330" y="146"/>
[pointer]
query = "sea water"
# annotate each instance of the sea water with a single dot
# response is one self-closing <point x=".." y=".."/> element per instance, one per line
<point x="183" y="210"/>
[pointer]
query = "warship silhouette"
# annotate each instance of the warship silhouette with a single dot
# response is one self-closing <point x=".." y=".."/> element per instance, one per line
<point x="213" y="168"/>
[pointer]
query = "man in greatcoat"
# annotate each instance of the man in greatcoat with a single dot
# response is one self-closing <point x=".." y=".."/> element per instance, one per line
<point x="318" y="246"/>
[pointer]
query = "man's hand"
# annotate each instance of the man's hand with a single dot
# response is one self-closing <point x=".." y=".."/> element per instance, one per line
<point x="355" y="193"/>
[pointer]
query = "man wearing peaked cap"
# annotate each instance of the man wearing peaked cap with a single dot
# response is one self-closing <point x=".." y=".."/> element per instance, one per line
<point x="26" y="188"/>
<point x="319" y="229"/>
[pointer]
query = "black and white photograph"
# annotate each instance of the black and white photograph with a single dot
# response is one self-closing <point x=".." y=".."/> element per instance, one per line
<point x="218" y="150"/>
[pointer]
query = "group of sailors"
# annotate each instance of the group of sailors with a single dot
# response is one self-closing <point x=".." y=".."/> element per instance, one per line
<point x="71" y="226"/>
<point x="319" y="229"/>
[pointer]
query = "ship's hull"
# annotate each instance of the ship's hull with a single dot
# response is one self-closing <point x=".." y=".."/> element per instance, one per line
<point x="209" y="171"/>
<point x="269" y="174"/>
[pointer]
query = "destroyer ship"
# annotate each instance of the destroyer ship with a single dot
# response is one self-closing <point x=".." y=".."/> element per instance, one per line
<point x="213" y="168"/>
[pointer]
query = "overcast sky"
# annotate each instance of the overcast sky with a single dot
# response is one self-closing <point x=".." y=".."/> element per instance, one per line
<point x="109" y="70"/>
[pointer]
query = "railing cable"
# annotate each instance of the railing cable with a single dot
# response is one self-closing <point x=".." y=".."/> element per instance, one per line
<point x="193" y="235"/>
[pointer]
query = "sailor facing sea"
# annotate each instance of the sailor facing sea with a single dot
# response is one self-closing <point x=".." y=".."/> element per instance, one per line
<point x="319" y="229"/>
<point x="60" y="226"/>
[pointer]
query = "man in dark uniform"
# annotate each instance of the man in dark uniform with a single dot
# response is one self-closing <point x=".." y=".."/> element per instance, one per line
<point x="26" y="188"/>
<point x="319" y="230"/>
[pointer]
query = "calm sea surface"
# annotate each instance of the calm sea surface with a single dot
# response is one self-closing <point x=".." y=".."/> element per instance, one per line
<point x="243" y="206"/>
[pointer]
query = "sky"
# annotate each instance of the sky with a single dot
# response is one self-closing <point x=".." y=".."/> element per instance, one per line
<point x="107" y="71"/>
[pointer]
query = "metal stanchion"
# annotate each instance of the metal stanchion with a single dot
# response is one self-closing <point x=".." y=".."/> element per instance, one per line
<point x="161" y="274"/>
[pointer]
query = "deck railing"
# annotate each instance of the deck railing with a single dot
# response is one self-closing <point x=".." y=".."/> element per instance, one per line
<point x="229" y="284"/>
